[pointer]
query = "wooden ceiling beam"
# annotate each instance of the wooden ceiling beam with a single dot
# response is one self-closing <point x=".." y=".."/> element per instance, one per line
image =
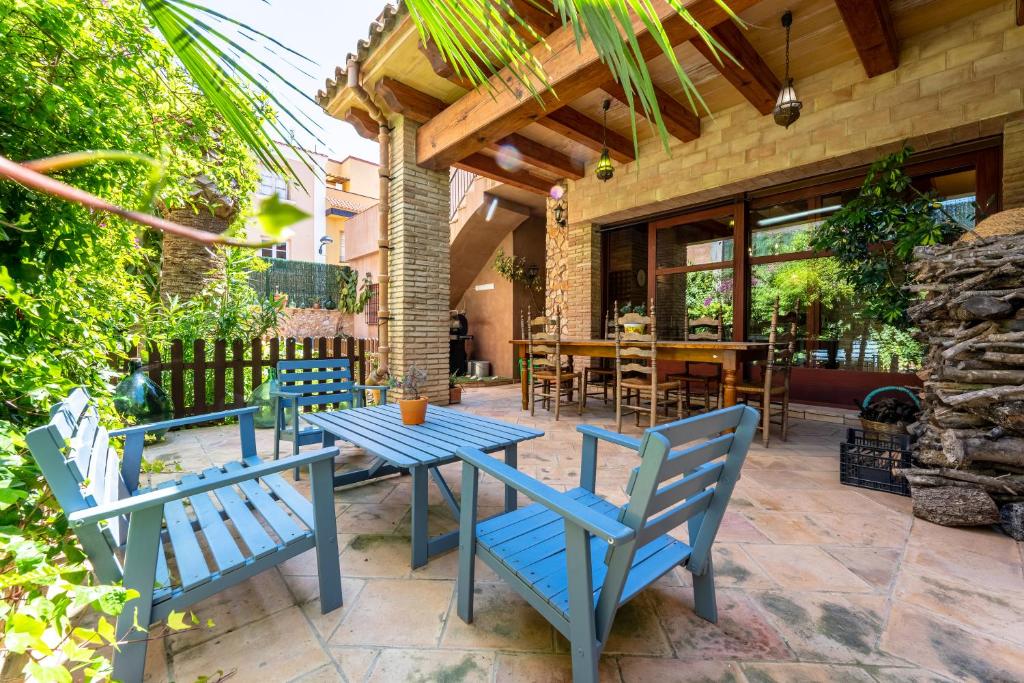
<point x="485" y="115"/>
<point x="745" y="70"/>
<point x="585" y="131"/>
<point x="680" y="122"/>
<point x="489" y="168"/>
<point x="870" y="25"/>
<point x="421" y="107"/>
<point x="363" y="123"/>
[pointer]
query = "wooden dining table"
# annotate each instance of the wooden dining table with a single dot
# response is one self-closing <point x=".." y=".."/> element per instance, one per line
<point x="730" y="355"/>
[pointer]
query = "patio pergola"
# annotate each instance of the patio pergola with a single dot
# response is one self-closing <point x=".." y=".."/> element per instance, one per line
<point x="725" y="206"/>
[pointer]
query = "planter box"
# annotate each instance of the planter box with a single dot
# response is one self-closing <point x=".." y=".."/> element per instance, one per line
<point x="869" y="462"/>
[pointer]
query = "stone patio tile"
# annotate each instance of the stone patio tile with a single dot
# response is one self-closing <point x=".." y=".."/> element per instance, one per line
<point x="829" y="627"/>
<point x="432" y="665"/>
<point x="996" y="614"/>
<point x="782" y="481"/>
<point x="304" y="564"/>
<point x="967" y="567"/>
<point x="876" y="566"/>
<point x="646" y="670"/>
<point x="983" y="542"/>
<point x="734" y="568"/>
<point x="635" y="631"/>
<point x="439" y="521"/>
<point x="377" y="556"/>
<point x="325" y="674"/>
<point x="805" y="673"/>
<point x="354" y="662"/>
<point x="371" y="518"/>
<point x="277" y="648"/>
<point x="252" y="600"/>
<point x="938" y="645"/>
<point x="783" y="500"/>
<point x="737" y="528"/>
<point x="888" y="674"/>
<point x="791" y="528"/>
<point x="372" y="492"/>
<point x="502" y="620"/>
<point x="805" y="568"/>
<point x="742" y="631"/>
<point x="396" y="613"/>
<point x="536" y="668"/>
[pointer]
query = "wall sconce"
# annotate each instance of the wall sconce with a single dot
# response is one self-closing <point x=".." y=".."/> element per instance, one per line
<point x="787" y="107"/>
<point x="560" y="208"/>
<point x="532" y="272"/>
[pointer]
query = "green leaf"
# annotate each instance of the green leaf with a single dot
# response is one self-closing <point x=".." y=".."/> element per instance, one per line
<point x="275" y="215"/>
<point x="176" y="621"/>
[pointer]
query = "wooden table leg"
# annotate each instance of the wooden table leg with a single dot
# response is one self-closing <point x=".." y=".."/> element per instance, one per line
<point x="524" y="375"/>
<point x="729" y="381"/>
<point x="511" y="459"/>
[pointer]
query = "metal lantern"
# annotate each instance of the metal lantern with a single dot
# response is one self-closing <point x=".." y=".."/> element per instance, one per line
<point x="605" y="170"/>
<point x="787" y="106"/>
<point x="560" y="218"/>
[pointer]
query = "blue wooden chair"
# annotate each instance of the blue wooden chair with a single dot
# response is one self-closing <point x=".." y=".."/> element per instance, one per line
<point x="131" y="535"/>
<point x="577" y="558"/>
<point x="320" y="382"/>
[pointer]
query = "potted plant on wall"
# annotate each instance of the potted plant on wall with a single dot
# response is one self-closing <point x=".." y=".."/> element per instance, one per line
<point x="412" y="404"/>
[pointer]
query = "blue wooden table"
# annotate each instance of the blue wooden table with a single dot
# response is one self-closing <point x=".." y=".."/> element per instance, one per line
<point x="420" y="449"/>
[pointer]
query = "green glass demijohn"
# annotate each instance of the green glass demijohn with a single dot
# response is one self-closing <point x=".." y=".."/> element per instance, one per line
<point x="262" y="398"/>
<point x="140" y="400"/>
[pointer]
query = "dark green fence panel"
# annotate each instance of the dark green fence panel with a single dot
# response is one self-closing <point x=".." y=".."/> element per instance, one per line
<point x="305" y="283"/>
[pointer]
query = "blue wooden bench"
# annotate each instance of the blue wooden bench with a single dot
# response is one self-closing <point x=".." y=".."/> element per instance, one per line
<point x="317" y="382"/>
<point x="577" y="558"/>
<point x="160" y="542"/>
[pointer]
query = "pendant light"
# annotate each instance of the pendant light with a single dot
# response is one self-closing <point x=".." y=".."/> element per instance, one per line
<point x="787" y="107"/>
<point x="605" y="170"/>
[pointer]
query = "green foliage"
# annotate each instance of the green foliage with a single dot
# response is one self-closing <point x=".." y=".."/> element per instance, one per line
<point x="227" y="308"/>
<point x="353" y="295"/>
<point x="873" y="236"/>
<point x="515" y="270"/>
<point x="72" y="290"/>
<point x="895" y="343"/>
<point x="796" y="284"/>
<point x="708" y="295"/>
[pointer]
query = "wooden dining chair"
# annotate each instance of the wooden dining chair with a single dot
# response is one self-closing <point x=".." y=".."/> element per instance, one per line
<point x="636" y="371"/>
<point x="704" y="384"/>
<point x="773" y="392"/>
<point x="600" y="376"/>
<point x="548" y="375"/>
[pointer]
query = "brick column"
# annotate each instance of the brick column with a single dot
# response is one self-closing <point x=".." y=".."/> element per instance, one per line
<point x="573" y="259"/>
<point x="1013" y="164"/>
<point x="419" y="264"/>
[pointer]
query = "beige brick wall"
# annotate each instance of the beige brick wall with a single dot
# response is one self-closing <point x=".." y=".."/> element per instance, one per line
<point x="956" y="83"/>
<point x="419" y="264"/>
<point x="1013" y="164"/>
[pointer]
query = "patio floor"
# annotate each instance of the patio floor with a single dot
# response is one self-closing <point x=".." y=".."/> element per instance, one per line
<point x="817" y="582"/>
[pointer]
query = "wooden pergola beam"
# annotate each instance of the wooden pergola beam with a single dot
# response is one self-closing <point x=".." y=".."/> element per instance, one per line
<point x="680" y="122"/>
<point x="420" y="107"/>
<point x="363" y="123"/>
<point x="743" y="67"/>
<point x="485" y="115"/>
<point x="585" y="131"/>
<point x="489" y="168"/>
<point x="870" y="25"/>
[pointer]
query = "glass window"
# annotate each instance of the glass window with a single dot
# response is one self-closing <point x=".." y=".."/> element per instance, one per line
<point x="683" y="297"/>
<point x="695" y="243"/>
<point x="787" y="228"/>
<point x="626" y="278"/>
<point x="275" y="251"/>
<point x="271" y="183"/>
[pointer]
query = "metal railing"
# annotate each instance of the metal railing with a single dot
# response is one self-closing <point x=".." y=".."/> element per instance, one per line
<point x="459" y="182"/>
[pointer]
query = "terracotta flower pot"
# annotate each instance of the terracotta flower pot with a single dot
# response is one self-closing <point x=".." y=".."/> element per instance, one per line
<point x="414" y="410"/>
<point x="454" y="395"/>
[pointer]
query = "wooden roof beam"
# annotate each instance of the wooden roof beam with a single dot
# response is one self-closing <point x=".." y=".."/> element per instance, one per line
<point x="421" y="107"/>
<point x="680" y="122"/>
<point x="745" y="70"/>
<point x="363" y="123"/>
<point x="870" y="25"/>
<point x="484" y="115"/>
<point x="489" y="168"/>
<point x="585" y="131"/>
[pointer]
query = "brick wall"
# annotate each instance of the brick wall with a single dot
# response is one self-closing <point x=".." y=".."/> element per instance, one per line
<point x="1013" y="164"/>
<point x="956" y="83"/>
<point x="419" y="264"/>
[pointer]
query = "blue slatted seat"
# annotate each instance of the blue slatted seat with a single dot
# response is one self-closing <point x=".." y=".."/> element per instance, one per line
<point x="184" y="540"/>
<point x="577" y="558"/>
<point x="314" y="383"/>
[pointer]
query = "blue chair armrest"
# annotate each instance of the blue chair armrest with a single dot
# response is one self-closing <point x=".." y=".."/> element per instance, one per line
<point x="611" y="530"/>
<point x="182" y="421"/>
<point x="630" y="442"/>
<point x="159" y="497"/>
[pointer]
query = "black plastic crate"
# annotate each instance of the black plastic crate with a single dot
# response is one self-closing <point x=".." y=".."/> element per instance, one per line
<point x="870" y="461"/>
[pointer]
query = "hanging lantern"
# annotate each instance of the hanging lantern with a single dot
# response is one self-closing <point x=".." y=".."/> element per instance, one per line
<point x="605" y="170"/>
<point x="787" y="106"/>
<point x="560" y="218"/>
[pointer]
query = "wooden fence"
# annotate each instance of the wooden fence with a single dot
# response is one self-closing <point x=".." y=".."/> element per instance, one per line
<point x="199" y="383"/>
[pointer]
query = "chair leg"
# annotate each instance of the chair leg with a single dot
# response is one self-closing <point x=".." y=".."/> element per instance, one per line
<point x="533" y="397"/>
<point x="785" y="417"/>
<point x="766" y="420"/>
<point x="705" y="604"/>
<point x="139" y="575"/>
<point x="582" y="629"/>
<point x="582" y="403"/>
<point x="467" y="543"/>
<point x="679" y="405"/>
<point x="618" y="407"/>
<point x="295" y="451"/>
<point x="321" y="483"/>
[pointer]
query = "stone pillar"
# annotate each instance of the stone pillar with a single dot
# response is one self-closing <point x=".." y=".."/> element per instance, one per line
<point x="1013" y="164"/>
<point x="556" y="262"/>
<point x="574" y="275"/>
<point x="419" y="265"/>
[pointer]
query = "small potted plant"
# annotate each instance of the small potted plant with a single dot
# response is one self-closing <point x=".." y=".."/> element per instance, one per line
<point x="412" y="404"/>
<point x="454" y="389"/>
<point x="634" y="328"/>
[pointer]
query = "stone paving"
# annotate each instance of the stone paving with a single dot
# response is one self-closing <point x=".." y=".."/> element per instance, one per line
<point x="817" y="582"/>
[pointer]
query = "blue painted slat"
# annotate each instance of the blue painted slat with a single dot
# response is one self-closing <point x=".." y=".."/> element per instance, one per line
<point x="82" y="446"/>
<point x="399" y="449"/>
<point x="280" y="521"/>
<point x="103" y="456"/>
<point x="163" y="582"/>
<point x="188" y="556"/>
<point x="66" y="415"/>
<point x="683" y="461"/>
<point x="546" y="530"/>
<point x="482" y="424"/>
<point x="444" y="439"/>
<point x="667" y="521"/>
<point x="700" y="426"/>
<point x="222" y="544"/>
<point x="312" y="363"/>
<point x="252" y="532"/>
<point x="338" y="396"/>
<point x="302" y="508"/>
<point x="704" y="476"/>
<point x="489" y="526"/>
<point x="292" y="380"/>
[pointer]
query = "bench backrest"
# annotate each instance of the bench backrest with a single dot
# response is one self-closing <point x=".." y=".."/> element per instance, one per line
<point x="318" y="381"/>
<point x="687" y="474"/>
<point x="74" y="454"/>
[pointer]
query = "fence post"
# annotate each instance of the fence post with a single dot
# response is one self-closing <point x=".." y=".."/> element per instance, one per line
<point x="198" y="377"/>
<point x="178" y="377"/>
<point x="220" y="361"/>
<point x="238" y="374"/>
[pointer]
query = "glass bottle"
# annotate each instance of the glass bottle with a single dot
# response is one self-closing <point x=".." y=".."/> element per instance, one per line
<point x="262" y="398"/>
<point x="140" y="400"/>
